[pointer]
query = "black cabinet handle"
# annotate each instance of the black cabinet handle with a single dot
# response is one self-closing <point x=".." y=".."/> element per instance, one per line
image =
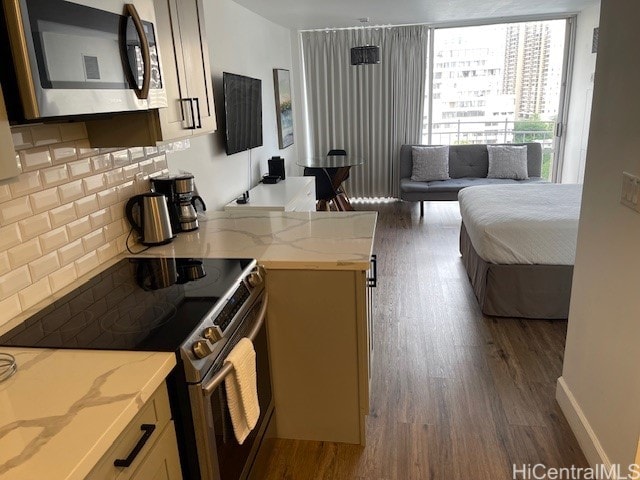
<point x="373" y="281"/>
<point x="148" y="429"/>
<point x="197" y="101"/>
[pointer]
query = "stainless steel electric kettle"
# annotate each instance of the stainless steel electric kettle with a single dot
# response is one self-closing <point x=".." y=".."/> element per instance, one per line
<point x="148" y="214"/>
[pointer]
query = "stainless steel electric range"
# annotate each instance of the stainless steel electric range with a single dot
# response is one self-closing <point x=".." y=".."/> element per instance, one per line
<point x="197" y="308"/>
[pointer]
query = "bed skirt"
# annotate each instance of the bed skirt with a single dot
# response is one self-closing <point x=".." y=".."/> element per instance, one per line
<point x="529" y="291"/>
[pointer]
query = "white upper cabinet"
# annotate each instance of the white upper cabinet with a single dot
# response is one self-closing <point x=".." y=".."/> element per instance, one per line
<point x="8" y="164"/>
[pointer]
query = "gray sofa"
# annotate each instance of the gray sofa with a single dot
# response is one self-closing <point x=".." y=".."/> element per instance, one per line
<point x="468" y="166"/>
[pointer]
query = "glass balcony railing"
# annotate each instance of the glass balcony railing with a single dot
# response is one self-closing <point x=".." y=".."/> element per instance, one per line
<point x="461" y="132"/>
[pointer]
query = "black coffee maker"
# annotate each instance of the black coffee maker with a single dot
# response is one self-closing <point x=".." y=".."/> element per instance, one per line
<point x="179" y="190"/>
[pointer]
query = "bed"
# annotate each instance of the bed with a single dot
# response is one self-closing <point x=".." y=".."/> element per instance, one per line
<point x="518" y="246"/>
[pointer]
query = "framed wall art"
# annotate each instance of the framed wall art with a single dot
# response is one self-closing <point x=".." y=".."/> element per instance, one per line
<point x="284" y="113"/>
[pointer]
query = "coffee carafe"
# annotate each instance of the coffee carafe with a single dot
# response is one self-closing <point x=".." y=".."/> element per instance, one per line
<point x="179" y="190"/>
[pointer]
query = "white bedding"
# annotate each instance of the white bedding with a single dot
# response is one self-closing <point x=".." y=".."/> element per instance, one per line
<point x="523" y="224"/>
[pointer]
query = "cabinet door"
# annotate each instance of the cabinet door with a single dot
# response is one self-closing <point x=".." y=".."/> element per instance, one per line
<point x="162" y="462"/>
<point x="174" y="119"/>
<point x="8" y="164"/>
<point x="195" y="51"/>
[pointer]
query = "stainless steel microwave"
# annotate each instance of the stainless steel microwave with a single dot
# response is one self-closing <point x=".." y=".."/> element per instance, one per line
<point x="84" y="56"/>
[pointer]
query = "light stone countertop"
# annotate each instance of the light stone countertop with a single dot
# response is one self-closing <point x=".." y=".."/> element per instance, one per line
<point x="62" y="410"/>
<point x="281" y="240"/>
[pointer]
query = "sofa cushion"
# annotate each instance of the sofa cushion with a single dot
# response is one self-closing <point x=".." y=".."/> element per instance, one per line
<point x="430" y="163"/>
<point x="507" y="161"/>
<point x="456" y="184"/>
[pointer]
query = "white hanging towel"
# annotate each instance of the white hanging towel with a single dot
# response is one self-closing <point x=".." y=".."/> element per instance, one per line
<point x="242" y="389"/>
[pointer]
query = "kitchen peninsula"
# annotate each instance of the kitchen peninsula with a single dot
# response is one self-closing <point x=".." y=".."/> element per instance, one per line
<point x="319" y="312"/>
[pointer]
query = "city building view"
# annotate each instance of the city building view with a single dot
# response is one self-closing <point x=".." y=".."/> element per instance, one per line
<point x="497" y="84"/>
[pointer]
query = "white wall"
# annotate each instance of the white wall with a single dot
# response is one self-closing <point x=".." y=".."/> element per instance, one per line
<point x="600" y="373"/>
<point x="577" y="132"/>
<point x="245" y="43"/>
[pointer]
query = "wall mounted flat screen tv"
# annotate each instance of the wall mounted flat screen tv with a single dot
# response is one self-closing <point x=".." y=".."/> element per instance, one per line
<point x="243" y="112"/>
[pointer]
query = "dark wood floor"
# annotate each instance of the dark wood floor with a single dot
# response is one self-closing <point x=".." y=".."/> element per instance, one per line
<point x="456" y="395"/>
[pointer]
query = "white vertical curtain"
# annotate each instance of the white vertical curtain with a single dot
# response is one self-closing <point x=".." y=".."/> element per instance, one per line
<point x="368" y="110"/>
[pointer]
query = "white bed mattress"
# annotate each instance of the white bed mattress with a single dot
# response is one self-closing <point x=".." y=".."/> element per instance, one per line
<point x="523" y="224"/>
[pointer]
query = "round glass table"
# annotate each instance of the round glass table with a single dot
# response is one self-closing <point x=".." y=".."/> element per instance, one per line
<point x="331" y="161"/>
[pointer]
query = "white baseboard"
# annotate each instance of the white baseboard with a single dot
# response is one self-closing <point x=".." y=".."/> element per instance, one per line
<point x="585" y="435"/>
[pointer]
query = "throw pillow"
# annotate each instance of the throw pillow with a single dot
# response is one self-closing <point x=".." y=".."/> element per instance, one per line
<point x="508" y="162"/>
<point x="430" y="163"/>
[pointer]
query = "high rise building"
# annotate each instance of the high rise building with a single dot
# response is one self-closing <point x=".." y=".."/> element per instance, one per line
<point x="528" y="74"/>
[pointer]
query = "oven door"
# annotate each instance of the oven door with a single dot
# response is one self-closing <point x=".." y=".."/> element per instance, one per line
<point x="84" y="57"/>
<point x="220" y="457"/>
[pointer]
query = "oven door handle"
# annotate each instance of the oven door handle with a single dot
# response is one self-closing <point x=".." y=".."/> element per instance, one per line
<point x="227" y="367"/>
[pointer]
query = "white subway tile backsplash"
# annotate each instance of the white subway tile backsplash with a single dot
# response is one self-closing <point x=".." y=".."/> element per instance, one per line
<point x="62" y="215"/>
<point x="86" y="205"/>
<point x="136" y="153"/>
<point x="147" y="166"/>
<point x="45" y="200"/>
<point x="107" y="197"/>
<point x="100" y="163"/>
<point x="113" y="230"/>
<point x="35" y="225"/>
<point x="24" y="253"/>
<point x="73" y="131"/>
<point x="35" y="159"/>
<point x="94" y="183"/>
<point x="54" y="175"/>
<point x="34" y="293"/>
<point x="107" y="251"/>
<point x="130" y="171"/>
<point x="83" y="149"/>
<point x="71" y="191"/>
<point x="9" y="308"/>
<point x="54" y="239"/>
<point x="114" y="177"/>
<point x="5" y="266"/>
<point x="70" y="252"/>
<point x="14" y="210"/>
<point x="87" y="263"/>
<point x="14" y="281"/>
<point x="93" y="240"/>
<point x="9" y="236"/>
<point x="78" y="228"/>
<point x="45" y="134"/>
<point x="121" y="158"/>
<point x="126" y="191"/>
<point x="5" y="193"/>
<point x="80" y="168"/>
<point x="63" y="152"/>
<point x="27" y="183"/>
<point x="100" y="218"/>
<point x="21" y="137"/>
<point x="62" y="277"/>
<point x="44" y="266"/>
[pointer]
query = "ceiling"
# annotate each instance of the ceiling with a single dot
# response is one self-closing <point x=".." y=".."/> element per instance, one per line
<point x="310" y="14"/>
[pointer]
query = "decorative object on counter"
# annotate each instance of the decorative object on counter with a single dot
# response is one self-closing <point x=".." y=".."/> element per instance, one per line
<point x="284" y="112"/>
<point x="276" y="167"/>
<point x="148" y="215"/>
<point x="270" y="179"/>
<point x="8" y="366"/>
<point x="179" y="191"/>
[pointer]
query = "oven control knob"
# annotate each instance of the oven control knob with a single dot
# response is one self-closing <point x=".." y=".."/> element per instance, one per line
<point x="256" y="278"/>
<point x="202" y="348"/>
<point x="213" y="334"/>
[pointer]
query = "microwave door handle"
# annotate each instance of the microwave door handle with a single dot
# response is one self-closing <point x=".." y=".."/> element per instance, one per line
<point x="142" y="93"/>
<point x="227" y="367"/>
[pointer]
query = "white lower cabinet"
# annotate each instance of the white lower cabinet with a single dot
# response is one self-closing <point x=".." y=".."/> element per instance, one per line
<point x="146" y="449"/>
<point x="295" y="194"/>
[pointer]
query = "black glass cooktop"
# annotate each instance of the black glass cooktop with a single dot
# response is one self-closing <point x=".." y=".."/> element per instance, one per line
<point x="150" y="304"/>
